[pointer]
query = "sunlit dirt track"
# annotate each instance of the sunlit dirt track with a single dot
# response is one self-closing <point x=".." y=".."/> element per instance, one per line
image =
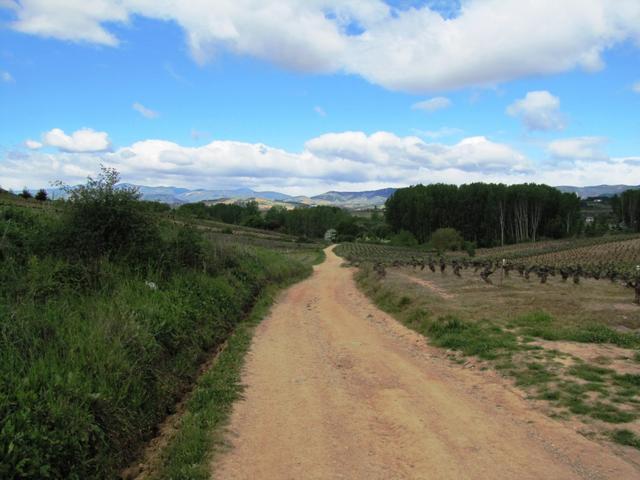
<point x="338" y="389"/>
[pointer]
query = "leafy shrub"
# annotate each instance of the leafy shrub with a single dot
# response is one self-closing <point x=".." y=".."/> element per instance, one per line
<point x="101" y="220"/>
<point x="188" y="247"/>
<point x="403" y="239"/>
<point x="444" y="239"/>
<point x="25" y="194"/>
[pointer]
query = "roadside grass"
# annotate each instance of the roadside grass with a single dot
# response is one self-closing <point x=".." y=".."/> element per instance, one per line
<point x="626" y="437"/>
<point x="568" y="384"/>
<point x="189" y="452"/>
<point x="95" y="352"/>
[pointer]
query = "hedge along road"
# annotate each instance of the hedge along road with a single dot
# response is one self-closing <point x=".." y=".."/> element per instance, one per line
<point x="338" y="389"/>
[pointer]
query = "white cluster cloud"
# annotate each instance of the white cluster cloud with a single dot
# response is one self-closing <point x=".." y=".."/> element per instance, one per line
<point x="433" y="104"/>
<point x="579" y="148"/>
<point x="32" y="144"/>
<point x="539" y="110"/>
<point x="144" y="111"/>
<point x="414" y="49"/>
<point x="347" y="158"/>
<point x="83" y="140"/>
<point x="636" y="87"/>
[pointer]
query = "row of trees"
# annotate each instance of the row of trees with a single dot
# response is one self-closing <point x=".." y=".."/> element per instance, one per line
<point x="311" y="222"/>
<point x="41" y="195"/>
<point x="485" y="213"/>
<point x="626" y="207"/>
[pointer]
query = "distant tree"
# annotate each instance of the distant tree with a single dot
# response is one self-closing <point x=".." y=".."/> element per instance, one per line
<point x="25" y="193"/>
<point x="445" y="239"/>
<point x="41" y="196"/>
<point x="275" y="217"/>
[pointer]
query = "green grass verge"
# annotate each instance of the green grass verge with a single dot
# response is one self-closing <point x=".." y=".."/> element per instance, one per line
<point x="626" y="437"/>
<point x="483" y="339"/>
<point x="189" y="453"/>
<point x="542" y="325"/>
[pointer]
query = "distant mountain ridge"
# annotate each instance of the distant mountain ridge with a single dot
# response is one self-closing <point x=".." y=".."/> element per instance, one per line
<point x="597" y="190"/>
<point x="352" y="200"/>
<point x="174" y="195"/>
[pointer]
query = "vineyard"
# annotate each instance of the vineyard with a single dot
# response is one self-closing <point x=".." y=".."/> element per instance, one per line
<point x="621" y="251"/>
<point x="614" y="258"/>
<point x="377" y="253"/>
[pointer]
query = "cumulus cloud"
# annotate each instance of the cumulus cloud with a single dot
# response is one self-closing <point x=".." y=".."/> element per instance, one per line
<point x="636" y="87"/>
<point x="144" y="111"/>
<point x="6" y="77"/>
<point x="538" y="110"/>
<point x="32" y="144"/>
<point x="352" y="159"/>
<point x="413" y="49"/>
<point x="345" y="160"/>
<point x="433" y="104"/>
<point x="579" y="148"/>
<point x="83" y="140"/>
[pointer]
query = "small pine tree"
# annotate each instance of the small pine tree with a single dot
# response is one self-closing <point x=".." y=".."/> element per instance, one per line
<point x="41" y="196"/>
<point x="26" y="193"/>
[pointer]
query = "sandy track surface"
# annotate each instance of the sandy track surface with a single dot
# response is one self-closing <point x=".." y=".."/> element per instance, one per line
<point x="337" y="389"/>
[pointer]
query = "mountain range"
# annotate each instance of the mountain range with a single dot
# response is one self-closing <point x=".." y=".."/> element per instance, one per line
<point x="597" y="190"/>
<point x="351" y="200"/>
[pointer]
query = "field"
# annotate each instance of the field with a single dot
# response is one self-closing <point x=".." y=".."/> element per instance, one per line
<point x="574" y="348"/>
<point x="594" y="257"/>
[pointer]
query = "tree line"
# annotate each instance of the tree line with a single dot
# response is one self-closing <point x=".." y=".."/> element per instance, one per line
<point x="310" y="222"/>
<point x="485" y="213"/>
<point x="626" y="207"/>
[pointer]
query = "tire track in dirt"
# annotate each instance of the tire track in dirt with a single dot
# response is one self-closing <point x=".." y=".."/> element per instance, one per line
<point x="427" y="284"/>
<point x="338" y="389"/>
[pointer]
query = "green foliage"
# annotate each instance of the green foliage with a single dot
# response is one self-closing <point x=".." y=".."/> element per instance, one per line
<point x="444" y="239"/>
<point x="471" y="338"/>
<point x="188" y="247"/>
<point x="404" y="238"/>
<point x="26" y="194"/>
<point x="188" y="454"/>
<point x="470" y="248"/>
<point x="626" y="437"/>
<point x="590" y="373"/>
<point x="310" y="222"/>
<point x="488" y="214"/>
<point x="628" y="209"/>
<point x="97" y="345"/>
<point x="542" y="325"/>
<point x="41" y="195"/>
<point x="101" y="220"/>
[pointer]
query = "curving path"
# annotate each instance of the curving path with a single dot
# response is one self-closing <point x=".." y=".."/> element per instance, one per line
<point x="338" y="389"/>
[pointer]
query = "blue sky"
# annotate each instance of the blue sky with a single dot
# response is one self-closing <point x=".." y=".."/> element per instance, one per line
<point x="273" y="108"/>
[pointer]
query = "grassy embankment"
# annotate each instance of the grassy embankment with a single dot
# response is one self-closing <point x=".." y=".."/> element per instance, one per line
<point x="508" y="327"/>
<point x="98" y="344"/>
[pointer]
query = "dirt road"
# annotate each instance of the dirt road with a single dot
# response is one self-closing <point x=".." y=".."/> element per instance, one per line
<point x="337" y="389"/>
